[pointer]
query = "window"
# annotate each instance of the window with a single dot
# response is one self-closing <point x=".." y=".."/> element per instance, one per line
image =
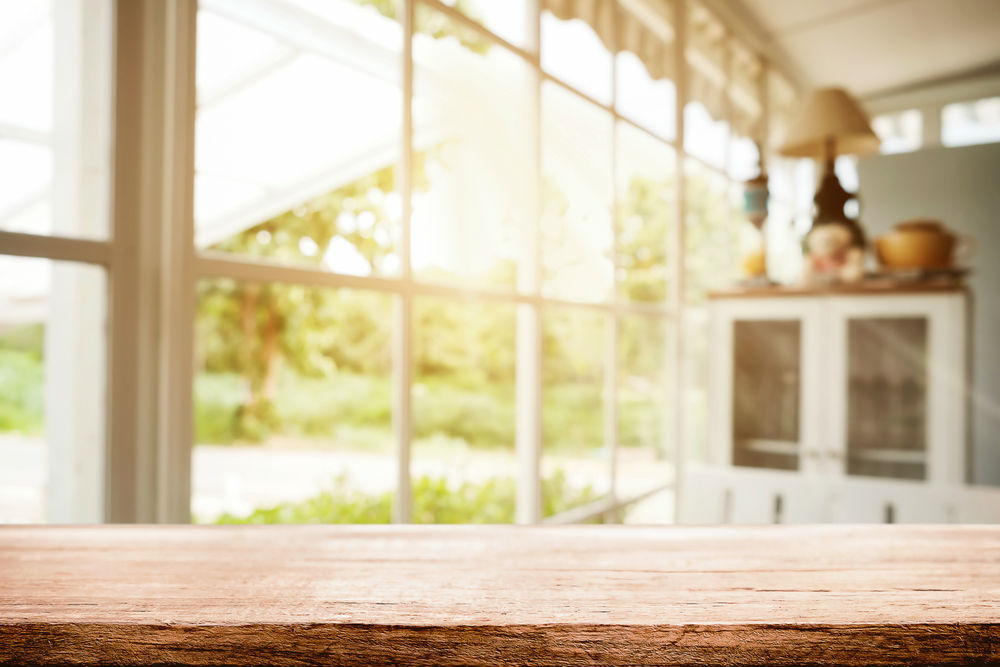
<point x="976" y="122"/>
<point x="55" y="166"/>
<point x="473" y="181"/>
<point x="52" y="352"/>
<point x="293" y="419"/>
<point x="572" y="52"/>
<point x="646" y="450"/>
<point x="464" y="467"/>
<point x="55" y="119"/>
<point x="291" y="373"/>
<point x="646" y="197"/>
<point x="576" y="450"/>
<point x="436" y="264"/>
<point x="508" y="19"/>
<point x="577" y="198"/>
<point x="297" y="137"/>
<point x="900" y="132"/>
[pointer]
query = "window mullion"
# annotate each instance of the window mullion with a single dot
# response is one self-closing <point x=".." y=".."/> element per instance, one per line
<point x="151" y="287"/>
<point x="528" y="343"/>
<point x="676" y="353"/>
<point x="402" y="341"/>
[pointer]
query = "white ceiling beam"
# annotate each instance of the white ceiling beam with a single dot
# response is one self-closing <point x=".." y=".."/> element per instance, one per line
<point x="972" y="85"/>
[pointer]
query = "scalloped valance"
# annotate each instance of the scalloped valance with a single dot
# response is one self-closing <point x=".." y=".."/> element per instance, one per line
<point x="645" y="28"/>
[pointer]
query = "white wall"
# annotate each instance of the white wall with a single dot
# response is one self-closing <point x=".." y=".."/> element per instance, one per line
<point x="960" y="186"/>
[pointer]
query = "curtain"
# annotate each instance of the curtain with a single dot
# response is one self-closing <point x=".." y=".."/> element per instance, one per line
<point x="706" y="55"/>
<point x="645" y="28"/>
<point x="746" y="108"/>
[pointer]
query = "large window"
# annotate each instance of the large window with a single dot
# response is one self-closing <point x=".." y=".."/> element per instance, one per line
<point x="379" y="260"/>
<point x="55" y="154"/>
<point x="974" y="122"/>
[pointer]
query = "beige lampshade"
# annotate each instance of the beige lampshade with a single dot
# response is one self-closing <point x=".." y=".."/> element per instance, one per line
<point x="829" y="113"/>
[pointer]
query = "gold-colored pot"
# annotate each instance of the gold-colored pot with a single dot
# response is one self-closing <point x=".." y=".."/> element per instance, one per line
<point x="918" y="244"/>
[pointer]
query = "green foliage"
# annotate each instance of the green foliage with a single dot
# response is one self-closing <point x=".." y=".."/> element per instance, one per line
<point x="439" y="26"/>
<point x="710" y="235"/>
<point x="22" y="375"/>
<point x="347" y="409"/>
<point x="645" y="216"/>
<point x="483" y="418"/>
<point x="434" y="501"/>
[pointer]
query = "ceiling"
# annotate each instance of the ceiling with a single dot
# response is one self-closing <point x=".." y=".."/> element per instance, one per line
<point x="871" y="46"/>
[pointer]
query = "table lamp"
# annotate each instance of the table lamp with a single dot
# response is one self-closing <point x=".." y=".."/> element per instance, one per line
<point x="830" y="123"/>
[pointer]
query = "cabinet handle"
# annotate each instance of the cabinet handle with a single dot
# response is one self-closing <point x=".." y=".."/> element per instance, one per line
<point x="834" y="455"/>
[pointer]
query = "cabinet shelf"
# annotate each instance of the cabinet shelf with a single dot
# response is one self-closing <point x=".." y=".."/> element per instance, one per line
<point x="890" y="455"/>
<point x="765" y="446"/>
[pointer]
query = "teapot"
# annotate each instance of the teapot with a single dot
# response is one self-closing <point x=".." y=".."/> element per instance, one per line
<point x="921" y="244"/>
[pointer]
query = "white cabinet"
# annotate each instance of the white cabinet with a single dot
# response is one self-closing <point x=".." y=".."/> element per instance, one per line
<point x="835" y="406"/>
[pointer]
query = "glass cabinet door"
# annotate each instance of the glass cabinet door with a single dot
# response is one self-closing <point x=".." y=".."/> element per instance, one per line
<point x="887" y="397"/>
<point x="766" y="393"/>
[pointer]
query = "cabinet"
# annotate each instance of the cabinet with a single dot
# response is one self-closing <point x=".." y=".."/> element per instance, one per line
<point x="821" y="400"/>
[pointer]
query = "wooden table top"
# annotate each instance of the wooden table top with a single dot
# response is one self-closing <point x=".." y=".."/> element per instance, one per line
<point x="466" y="595"/>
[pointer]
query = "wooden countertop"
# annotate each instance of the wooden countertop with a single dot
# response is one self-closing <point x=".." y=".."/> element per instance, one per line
<point x="406" y="595"/>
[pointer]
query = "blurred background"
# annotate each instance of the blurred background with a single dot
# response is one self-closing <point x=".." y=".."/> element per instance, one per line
<point x="494" y="261"/>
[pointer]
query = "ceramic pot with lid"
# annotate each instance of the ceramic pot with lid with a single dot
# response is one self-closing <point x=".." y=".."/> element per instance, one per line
<point x="921" y="244"/>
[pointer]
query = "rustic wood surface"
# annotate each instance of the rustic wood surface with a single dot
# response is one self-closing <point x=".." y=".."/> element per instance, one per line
<point x="380" y="595"/>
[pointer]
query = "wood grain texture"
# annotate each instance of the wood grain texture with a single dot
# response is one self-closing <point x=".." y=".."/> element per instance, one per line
<point x="405" y="595"/>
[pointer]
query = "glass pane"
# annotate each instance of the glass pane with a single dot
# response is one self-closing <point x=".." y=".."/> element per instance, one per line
<point x="647" y="191"/>
<point x="573" y="53"/>
<point x="781" y="106"/>
<point x="899" y="132"/>
<point x="474" y="182"/>
<point x="464" y="467"/>
<point x="507" y="18"/>
<point x="292" y="405"/>
<point x="744" y="158"/>
<point x="577" y="198"/>
<point x="576" y="460"/>
<point x="806" y="179"/>
<point x="710" y="235"/>
<point x="285" y="169"/>
<point x="52" y="389"/>
<point x="55" y="117"/>
<point x="887" y="397"/>
<point x="645" y="446"/>
<point x="695" y="382"/>
<point x="644" y="100"/>
<point x="704" y="137"/>
<point x="746" y="110"/>
<point x="965" y="123"/>
<point x="766" y="388"/>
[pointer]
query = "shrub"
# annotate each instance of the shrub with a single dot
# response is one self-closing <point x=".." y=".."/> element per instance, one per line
<point x="22" y="391"/>
<point x="434" y="501"/>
